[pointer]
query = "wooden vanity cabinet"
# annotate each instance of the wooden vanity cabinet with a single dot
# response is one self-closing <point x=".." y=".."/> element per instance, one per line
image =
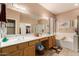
<point x="45" y="42"/>
<point x="0" y="51"/>
<point x="9" y="50"/>
<point x="30" y="51"/>
<point x="44" y="39"/>
<point x="50" y="42"/>
<point x="22" y="46"/>
<point x="34" y="42"/>
<point x="27" y="48"/>
<point x="12" y="51"/>
<point x="22" y="49"/>
<point x="53" y="41"/>
<point x="17" y="53"/>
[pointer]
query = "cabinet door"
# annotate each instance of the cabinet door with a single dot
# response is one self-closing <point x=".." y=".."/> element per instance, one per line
<point x="30" y="51"/>
<point x="46" y="43"/>
<point x="17" y="53"/>
<point x="53" y="41"/>
<point x="22" y="46"/>
<point x="0" y="52"/>
<point x="50" y="42"/>
<point x="8" y="50"/>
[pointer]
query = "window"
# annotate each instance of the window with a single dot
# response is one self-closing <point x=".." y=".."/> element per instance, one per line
<point x="10" y="26"/>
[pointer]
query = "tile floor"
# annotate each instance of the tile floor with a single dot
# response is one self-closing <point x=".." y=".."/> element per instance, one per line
<point x="64" y="52"/>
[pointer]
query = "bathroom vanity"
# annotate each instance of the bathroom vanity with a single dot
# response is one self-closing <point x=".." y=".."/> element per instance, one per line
<point x="23" y="44"/>
<point x="26" y="46"/>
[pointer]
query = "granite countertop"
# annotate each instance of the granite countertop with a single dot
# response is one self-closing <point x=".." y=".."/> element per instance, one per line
<point x="20" y="39"/>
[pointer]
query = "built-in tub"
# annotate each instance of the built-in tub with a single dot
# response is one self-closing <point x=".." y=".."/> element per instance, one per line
<point x="66" y="40"/>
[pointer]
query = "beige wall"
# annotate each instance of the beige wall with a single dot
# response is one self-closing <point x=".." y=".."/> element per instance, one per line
<point x="70" y="15"/>
<point x="27" y="19"/>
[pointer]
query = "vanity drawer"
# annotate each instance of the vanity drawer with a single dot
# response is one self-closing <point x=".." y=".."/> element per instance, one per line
<point x="9" y="49"/>
<point x="23" y="45"/>
<point x="33" y="42"/>
<point x="43" y="39"/>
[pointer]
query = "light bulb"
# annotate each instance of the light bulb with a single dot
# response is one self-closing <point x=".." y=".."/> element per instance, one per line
<point x="76" y="4"/>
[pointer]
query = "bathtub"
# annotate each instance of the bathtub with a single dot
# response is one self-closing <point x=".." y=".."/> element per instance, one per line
<point x="66" y="40"/>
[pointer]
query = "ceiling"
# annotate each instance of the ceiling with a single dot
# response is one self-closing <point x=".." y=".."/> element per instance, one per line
<point x="58" y="8"/>
<point x="41" y="10"/>
<point x="32" y="9"/>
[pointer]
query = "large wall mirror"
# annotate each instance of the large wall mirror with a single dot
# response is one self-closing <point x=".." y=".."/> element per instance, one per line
<point x="25" y="28"/>
<point x="43" y="26"/>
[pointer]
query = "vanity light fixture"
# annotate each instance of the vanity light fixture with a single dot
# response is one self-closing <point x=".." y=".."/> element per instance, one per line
<point x="76" y="4"/>
<point x="20" y="8"/>
<point x="45" y="16"/>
